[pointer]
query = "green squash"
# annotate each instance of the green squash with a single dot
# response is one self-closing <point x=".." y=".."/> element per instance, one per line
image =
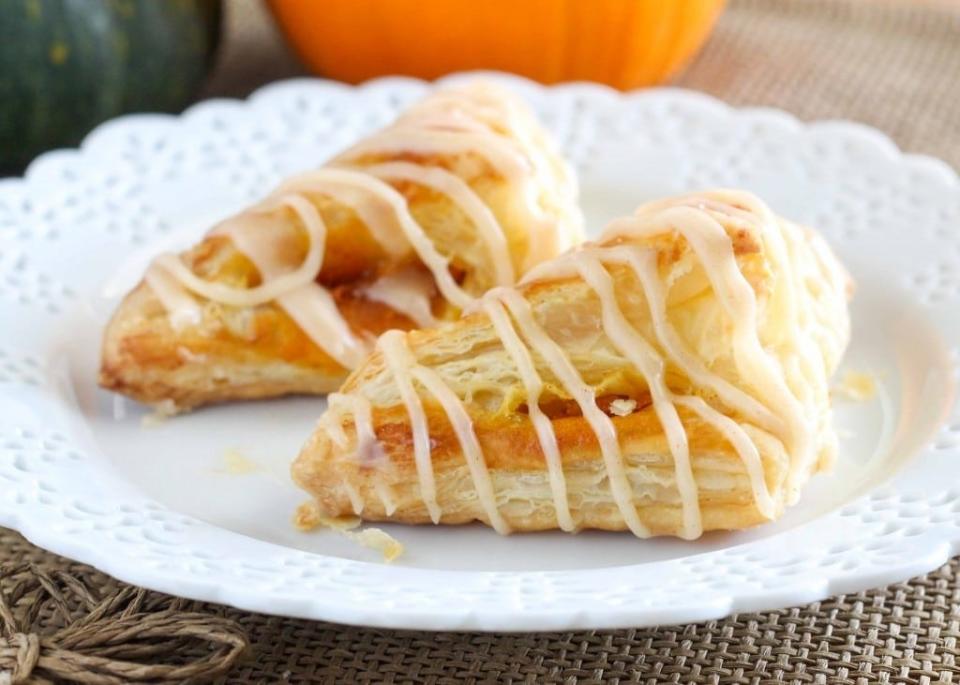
<point x="67" y="65"/>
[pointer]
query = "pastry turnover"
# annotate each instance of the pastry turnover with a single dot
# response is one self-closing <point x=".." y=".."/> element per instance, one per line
<point x="462" y="193"/>
<point x="670" y="378"/>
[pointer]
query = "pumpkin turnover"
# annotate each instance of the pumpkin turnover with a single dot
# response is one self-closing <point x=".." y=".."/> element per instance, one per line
<point x="670" y="378"/>
<point x="464" y="192"/>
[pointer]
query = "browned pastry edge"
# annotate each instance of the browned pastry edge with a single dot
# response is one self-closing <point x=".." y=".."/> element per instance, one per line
<point x="143" y="357"/>
<point x="520" y="478"/>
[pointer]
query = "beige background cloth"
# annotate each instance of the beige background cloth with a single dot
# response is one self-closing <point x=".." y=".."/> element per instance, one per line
<point x="892" y="64"/>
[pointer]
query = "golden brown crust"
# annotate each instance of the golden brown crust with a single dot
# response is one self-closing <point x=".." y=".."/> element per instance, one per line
<point x="518" y="472"/>
<point x="244" y="353"/>
<point x="144" y="357"/>
<point x="471" y="360"/>
<point x="263" y="354"/>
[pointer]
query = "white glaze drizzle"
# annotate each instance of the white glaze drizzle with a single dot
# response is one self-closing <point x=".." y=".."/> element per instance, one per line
<point x="714" y="248"/>
<point x="356" y="500"/>
<point x="533" y="385"/>
<point x="652" y="367"/>
<point x="270" y="288"/>
<point x="746" y="450"/>
<point x="736" y="295"/>
<point x="469" y="444"/>
<point x="643" y="262"/>
<point x="330" y="422"/>
<point x="585" y="397"/>
<point x="629" y="343"/>
<point x="475" y="120"/>
<point x="519" y="153"/>
<point x="183" y="309"/>
<point x="399" y="359"/>
<point x="387" y="498"/>
<point x="310" y="305"/>
<point x="468" y="201"/>
<point x="773" y="406"/>
<point x="644" y="265"/>
<point x="408" y="370"/>
<point x="368" y="449"/>
<point x="408" y="291"/>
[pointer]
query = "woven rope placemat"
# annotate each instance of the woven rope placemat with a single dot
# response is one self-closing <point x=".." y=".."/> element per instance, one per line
<point x="906" y="633"/>
<point x="894" y="64"/>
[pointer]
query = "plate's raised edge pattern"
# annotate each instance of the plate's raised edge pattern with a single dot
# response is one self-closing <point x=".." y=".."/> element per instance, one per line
<point x="900" y="533"/>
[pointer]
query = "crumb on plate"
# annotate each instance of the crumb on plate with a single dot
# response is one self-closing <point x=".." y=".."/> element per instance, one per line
<point x="307" y="517"/>
<point x="856" y="386"/>
<point x="161" y="412"/>
<point x="376" y="539"/>
<point x="236" y="464"/>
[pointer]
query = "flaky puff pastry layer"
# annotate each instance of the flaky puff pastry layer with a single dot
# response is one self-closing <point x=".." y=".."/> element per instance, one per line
<point x="241" y="352"/>
<point x="801" y="326"/>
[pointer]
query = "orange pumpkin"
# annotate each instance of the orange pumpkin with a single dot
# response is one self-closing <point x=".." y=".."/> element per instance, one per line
<point x="624" y="43"/>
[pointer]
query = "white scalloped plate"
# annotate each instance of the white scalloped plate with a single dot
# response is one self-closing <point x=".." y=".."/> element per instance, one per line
<point x="159" y="507"/>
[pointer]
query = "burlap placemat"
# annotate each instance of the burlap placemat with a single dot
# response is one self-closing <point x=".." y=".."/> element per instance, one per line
<point x="892" y="64"/>
<point x="906" y="633"/>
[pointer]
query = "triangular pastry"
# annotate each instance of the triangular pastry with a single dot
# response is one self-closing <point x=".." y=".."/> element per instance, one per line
<point x="462" y="193"/>
<point x="670" y="378"/>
